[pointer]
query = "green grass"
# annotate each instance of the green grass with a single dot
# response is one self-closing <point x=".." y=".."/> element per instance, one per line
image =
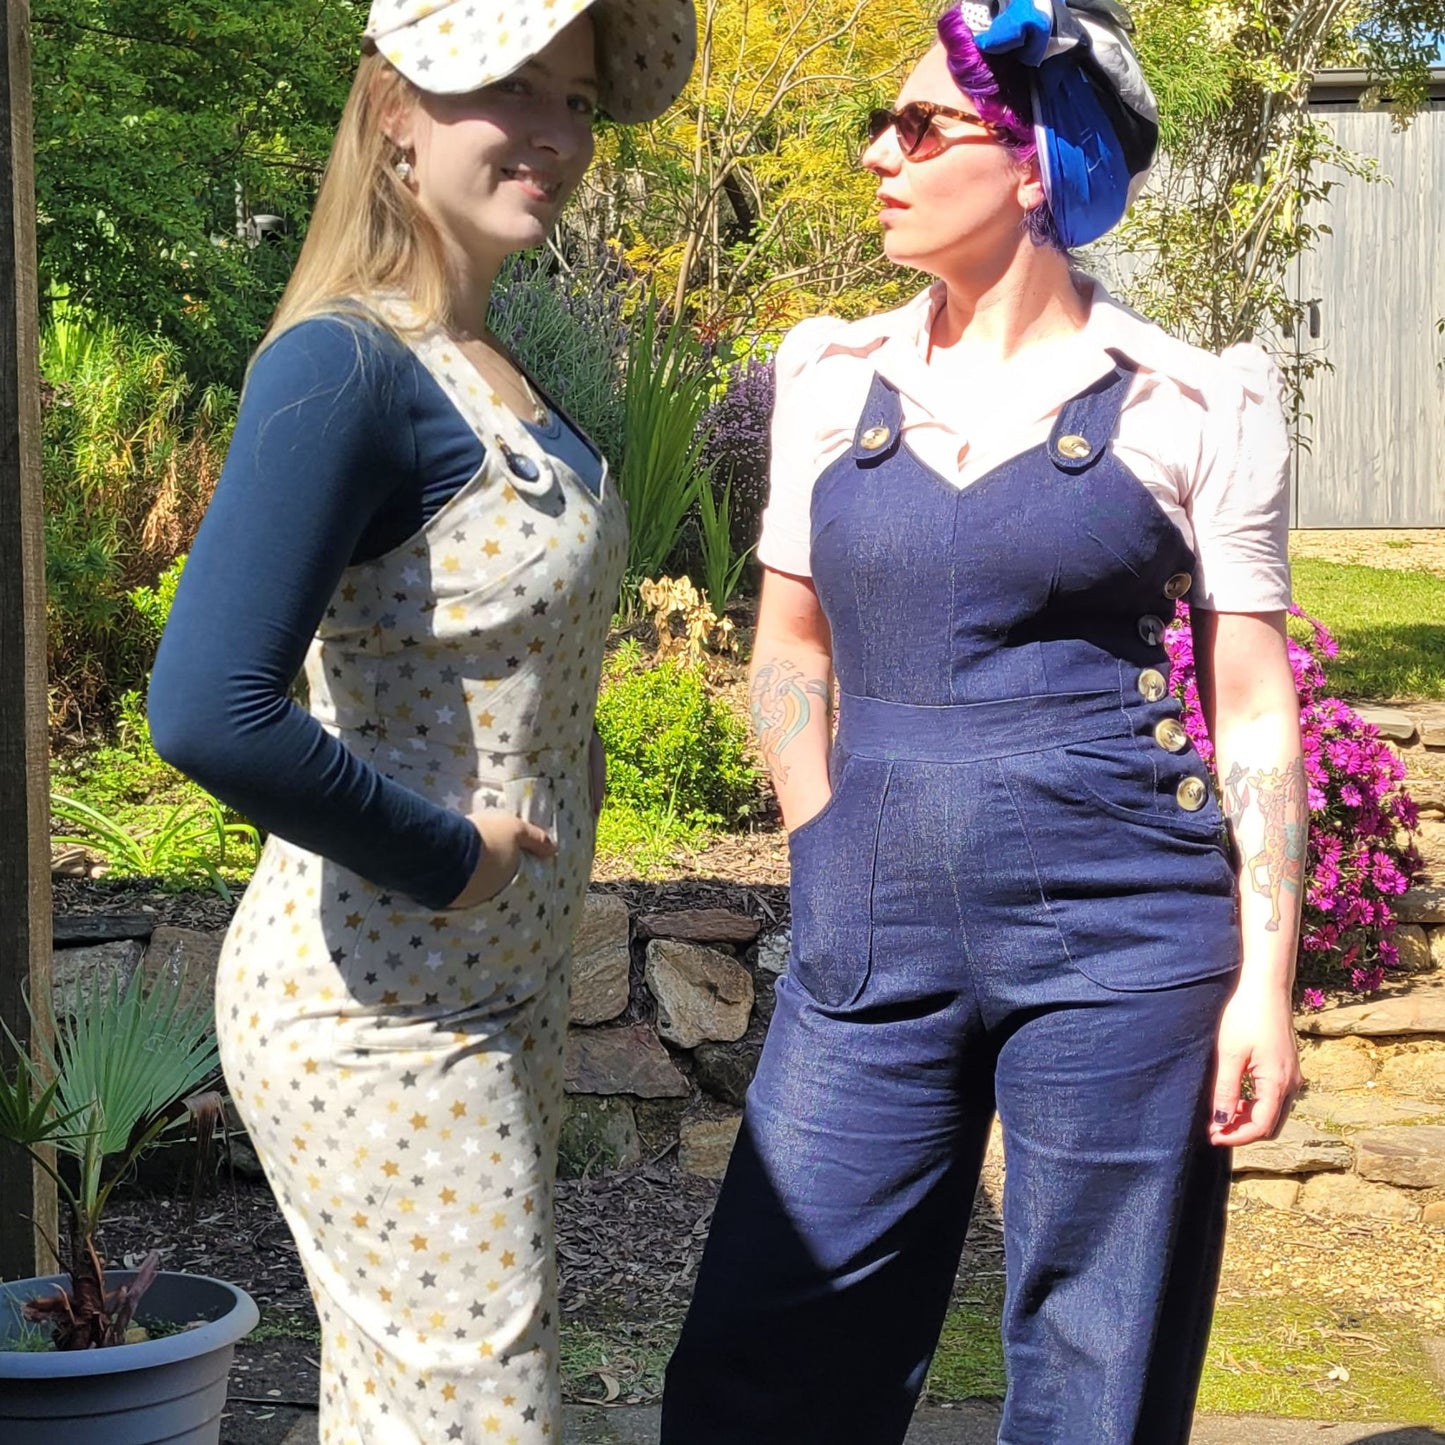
<point x="1390" y="626"/>
<point x="968" y="1364"/>
<point x="624" y="1362"/>
<point x="1294" y="1359"/>
<point x="276" y="1324"/>
<point x="1304" y="1359"/>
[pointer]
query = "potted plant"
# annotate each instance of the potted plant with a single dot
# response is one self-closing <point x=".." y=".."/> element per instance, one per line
<point x="99" y="1355"/>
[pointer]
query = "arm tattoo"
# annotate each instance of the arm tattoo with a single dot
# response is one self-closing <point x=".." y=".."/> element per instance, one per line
<point x="780" y="700"/>
<point x="1282" y="798"/>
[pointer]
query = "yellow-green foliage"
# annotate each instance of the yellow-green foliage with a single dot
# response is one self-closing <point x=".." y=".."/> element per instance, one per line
<point x="752" y="206"/>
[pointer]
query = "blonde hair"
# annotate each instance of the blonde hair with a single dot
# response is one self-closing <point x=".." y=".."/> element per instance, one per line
<point x="369" y="238"/>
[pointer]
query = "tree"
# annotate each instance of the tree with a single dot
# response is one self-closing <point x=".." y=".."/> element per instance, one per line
<point x="161" y="127"/>
<point x="746" y="200"/>
<point x="1232" y="202"/>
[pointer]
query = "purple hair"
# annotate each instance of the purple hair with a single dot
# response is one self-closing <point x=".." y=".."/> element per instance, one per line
<point x="1000" y="88"/>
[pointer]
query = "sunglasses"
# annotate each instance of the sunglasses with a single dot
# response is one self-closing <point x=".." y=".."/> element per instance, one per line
<point x="915" y="121"/>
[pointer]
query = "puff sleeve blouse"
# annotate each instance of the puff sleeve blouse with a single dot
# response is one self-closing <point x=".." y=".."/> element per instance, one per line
<point x="1206" y="435"/>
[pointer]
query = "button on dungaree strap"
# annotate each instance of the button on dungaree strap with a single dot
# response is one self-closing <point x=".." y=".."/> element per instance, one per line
<point x="880" y="424"/>
<point x="1086" y="424"/>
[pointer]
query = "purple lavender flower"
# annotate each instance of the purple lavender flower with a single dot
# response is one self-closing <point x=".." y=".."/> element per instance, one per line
<point x="737" y="446"/>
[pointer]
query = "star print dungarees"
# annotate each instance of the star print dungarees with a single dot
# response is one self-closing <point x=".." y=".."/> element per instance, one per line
<point x="400" y="1071"/>
<point x="1020" y="898"/>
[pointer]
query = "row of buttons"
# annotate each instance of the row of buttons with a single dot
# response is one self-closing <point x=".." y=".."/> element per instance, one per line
<point x="1192" y="793"/>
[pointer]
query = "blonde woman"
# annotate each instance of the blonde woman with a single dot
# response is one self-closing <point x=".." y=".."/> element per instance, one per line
<point x="404" y="513"/>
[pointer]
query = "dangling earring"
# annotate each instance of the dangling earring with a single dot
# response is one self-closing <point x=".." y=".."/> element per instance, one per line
<point x="403" y="169"/>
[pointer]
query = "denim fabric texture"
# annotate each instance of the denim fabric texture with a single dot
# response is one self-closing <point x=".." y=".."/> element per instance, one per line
<point x="1019" y="899"/>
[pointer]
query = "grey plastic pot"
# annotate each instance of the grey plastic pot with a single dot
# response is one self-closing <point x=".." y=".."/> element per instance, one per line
<point x="170" y="1389"/>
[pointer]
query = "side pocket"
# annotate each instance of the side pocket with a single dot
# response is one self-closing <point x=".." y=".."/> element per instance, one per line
<point x="832" y="859"/>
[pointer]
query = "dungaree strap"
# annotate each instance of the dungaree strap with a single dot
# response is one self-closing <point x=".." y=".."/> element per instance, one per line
<point x="1087" y="422"/>
<point x="880" y="426"/>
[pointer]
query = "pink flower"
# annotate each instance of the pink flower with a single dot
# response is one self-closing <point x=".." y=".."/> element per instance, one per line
<point x="1355" y="867"/>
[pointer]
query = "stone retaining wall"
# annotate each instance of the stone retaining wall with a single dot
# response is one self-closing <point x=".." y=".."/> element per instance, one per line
<point x="669" y="1012"/>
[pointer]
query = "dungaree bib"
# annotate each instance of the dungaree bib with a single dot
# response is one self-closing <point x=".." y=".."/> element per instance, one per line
<point x="1019" y="897"/>
<point x="400" y="1070"/>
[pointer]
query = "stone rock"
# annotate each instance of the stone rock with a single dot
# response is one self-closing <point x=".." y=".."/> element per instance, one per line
<point x="245" y="1164"/>
<point x="658" y="1121"/>
<point x="1414" y="945"/>
<point x="1419" y="1072"/>
<point x="1434" y="1214"/>
<point x="1430" y="842"/>
<point x="74" y="969"/>
<point x="71" y="862"/>
<point x="598" y="1136"/>
<point x="701" y="994"/>
<point x="1302" y="1148"/>
<point x="1277" y="1192"/>
<point x="700" y="925"/>
<point x="1430" y="719"/>
<point x="726" y="1070"/>
<point x="601" y="961"/>
<point x="773" y="951"/>
<point x="1437" y="949"/>
<point x="1343" y="1195"/>
<point x="187" y="955"/>
<point x="622" y="1061"/>
<point x="1409" y="1155"/>
<point x="1365" y="1109"/>
<point x="705" y="1143"/>
<point x="1424" y="903"/>
<point x="1393" y="724"/>
<point x="74" y="930"/>
<point x="1413" y="1009"/>
<point x="1336" y="1063"/>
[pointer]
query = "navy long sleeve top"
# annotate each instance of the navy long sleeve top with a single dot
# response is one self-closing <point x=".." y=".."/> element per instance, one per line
<point x="345" y="446"/>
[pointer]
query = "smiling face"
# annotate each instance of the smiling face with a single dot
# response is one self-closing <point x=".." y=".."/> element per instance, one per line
<point x="494" y="168"/>
<point x="963" y="204"/>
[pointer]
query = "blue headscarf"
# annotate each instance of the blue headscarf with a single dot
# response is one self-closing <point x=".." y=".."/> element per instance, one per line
<point x="1095" y="118"/>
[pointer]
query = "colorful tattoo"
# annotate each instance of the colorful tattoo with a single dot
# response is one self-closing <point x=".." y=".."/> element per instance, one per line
<point x="780" y="701"/>
<point x="1282" y="799"/>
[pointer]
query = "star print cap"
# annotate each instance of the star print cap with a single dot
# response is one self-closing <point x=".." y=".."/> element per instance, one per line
<point x="645" y="48"/>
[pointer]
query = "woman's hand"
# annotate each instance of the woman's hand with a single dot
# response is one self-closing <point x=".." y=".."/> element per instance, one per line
<point x="597" y="773"/>
<point x="1256" y="1039"/>
<point x="505" y="838"/>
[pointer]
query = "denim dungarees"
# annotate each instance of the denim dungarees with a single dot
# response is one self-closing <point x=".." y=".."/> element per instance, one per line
<point x="1019" y="899"/>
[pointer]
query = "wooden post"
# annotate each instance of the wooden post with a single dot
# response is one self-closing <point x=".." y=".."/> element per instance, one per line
<point x="27" y="1200"/>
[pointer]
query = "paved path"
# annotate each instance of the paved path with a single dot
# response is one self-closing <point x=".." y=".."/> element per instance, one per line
<point x="978" y="1425"/>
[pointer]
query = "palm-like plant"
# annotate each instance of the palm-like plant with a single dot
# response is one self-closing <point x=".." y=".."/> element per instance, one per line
<point x="129" y="1064"/>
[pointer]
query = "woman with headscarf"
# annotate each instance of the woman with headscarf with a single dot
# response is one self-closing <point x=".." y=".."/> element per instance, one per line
<point x="1013" y="890"/>
<point x="404" y="512"/>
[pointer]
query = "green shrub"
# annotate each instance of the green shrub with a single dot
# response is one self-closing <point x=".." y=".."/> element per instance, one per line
<point x="129" y="458"/>
<point x="672" y="747"/>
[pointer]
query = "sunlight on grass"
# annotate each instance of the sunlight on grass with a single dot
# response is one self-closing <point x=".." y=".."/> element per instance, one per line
<point x="1297" y="1359"/>
<point x="1390" y="626"/>
<point x="1302" y="1359"/>
<point x="622" y="1363"/>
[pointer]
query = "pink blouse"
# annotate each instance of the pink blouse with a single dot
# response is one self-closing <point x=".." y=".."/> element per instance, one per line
<point x="1205" y="434"/>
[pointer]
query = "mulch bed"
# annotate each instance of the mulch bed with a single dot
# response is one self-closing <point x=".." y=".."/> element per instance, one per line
<point x="628" y="1249"/>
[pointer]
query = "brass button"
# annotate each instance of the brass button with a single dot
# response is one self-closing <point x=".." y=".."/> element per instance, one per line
<point x="1076" y="448"/>
<point x="1178" y="585"/>
<point x="1152" y="684"/>
<point x="1191" y="794"/>
<point x="874" y="438"/>
<point x="1170" y="735"/>
<point x="1151" y="629"/>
